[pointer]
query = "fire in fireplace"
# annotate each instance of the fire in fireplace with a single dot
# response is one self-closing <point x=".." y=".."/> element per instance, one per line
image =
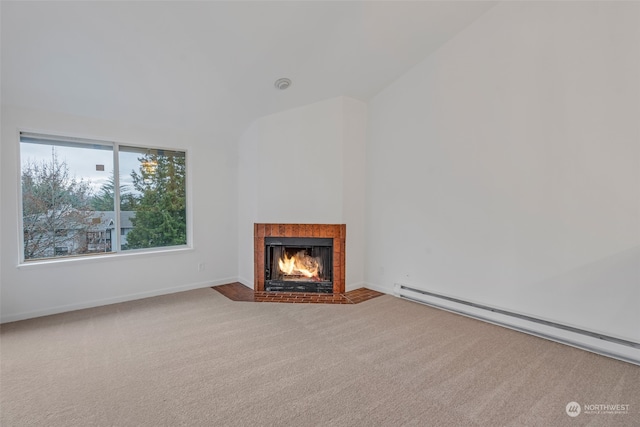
<point x="298" y="264"/>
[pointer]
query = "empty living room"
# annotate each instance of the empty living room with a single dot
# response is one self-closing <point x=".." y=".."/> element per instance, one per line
<point x="320" y="213"/>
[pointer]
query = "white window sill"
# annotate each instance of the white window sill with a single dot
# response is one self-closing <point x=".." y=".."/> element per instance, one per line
<point x="98" y="258"/>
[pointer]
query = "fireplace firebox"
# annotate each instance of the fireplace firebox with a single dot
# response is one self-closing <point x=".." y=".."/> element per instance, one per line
<point x="298" y="264"/>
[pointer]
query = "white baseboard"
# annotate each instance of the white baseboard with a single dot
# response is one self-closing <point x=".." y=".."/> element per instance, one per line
<point x="113" y="300"/>
<point x="248" y="283"/>
<point x="354" y="286"/>
<point x="378" y="288"/>
<point x="593" y="344"/>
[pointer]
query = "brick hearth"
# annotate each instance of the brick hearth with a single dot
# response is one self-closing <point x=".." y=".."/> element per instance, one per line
<point x="338" y="232"/>
<point x="238" y="292"/>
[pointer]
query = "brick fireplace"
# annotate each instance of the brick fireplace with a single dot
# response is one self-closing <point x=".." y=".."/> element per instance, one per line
<point x="335" y="232"/>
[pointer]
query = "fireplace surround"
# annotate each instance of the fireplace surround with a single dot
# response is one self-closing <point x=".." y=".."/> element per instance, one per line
<point x="313" y="240"/>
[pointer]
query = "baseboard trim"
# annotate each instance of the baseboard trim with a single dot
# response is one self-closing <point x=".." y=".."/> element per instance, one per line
<point x="248" y="283"/>
<point x="354" y="286"/>
<point x="378" y="288"/>
<point x="615" y="348"/>
<point x="113" y="300"/>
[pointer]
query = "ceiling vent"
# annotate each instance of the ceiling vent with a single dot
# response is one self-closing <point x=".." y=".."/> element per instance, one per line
<point x="282" y="83"/>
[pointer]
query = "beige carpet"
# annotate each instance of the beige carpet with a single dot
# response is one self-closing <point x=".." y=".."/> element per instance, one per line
<point x="197" y="358"/>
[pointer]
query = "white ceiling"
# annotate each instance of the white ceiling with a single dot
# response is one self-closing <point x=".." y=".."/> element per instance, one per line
<point x="212" y="65"/>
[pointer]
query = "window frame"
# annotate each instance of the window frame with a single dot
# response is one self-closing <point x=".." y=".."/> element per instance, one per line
<point x="116" y="252"/>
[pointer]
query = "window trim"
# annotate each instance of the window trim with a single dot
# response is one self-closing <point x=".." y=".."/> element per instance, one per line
<point x="115" y="254"/>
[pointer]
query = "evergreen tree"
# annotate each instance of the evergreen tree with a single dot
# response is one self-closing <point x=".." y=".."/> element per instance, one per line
<point x="104" y="200"/>
<point x="160" y="218"/>
<point x="55" y="207"/>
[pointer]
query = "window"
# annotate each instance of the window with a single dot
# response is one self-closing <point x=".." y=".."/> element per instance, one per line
<point x="74" y="197"/>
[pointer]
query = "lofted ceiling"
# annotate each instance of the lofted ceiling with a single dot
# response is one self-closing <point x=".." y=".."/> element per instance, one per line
<point x="212" y="65"/>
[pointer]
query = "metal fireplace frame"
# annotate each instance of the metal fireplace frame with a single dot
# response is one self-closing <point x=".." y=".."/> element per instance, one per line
<point x="314" y="246"/>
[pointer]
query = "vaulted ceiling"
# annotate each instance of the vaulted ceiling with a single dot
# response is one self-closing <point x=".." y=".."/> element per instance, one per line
<point x="212" y="65"/>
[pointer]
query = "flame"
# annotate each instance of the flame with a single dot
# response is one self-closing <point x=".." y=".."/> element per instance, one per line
<point x="300" y="263"/>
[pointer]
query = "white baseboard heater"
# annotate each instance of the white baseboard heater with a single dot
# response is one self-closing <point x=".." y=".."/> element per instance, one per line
<point x="617" y="348"/>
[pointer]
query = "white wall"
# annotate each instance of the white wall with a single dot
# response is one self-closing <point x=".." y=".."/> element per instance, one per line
<point x="304" y="166"/>
<point x="353" y="188"/>
<point x="505" y="168"/>
<point x="39" y="289"/>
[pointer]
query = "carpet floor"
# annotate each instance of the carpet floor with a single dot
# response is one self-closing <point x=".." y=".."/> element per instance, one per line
<point x="197" y="358"/>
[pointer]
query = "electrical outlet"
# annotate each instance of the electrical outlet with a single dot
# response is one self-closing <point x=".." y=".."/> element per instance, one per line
<point x="201" y="266"/>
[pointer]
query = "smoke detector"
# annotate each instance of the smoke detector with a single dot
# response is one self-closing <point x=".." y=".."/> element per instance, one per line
<point x="282" y="83"/>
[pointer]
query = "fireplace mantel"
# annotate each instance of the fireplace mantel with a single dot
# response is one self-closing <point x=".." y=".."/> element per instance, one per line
<point x="337" y="232"/>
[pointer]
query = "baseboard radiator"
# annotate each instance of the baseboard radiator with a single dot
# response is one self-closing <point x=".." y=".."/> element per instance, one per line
<point x="617" y="348"/>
